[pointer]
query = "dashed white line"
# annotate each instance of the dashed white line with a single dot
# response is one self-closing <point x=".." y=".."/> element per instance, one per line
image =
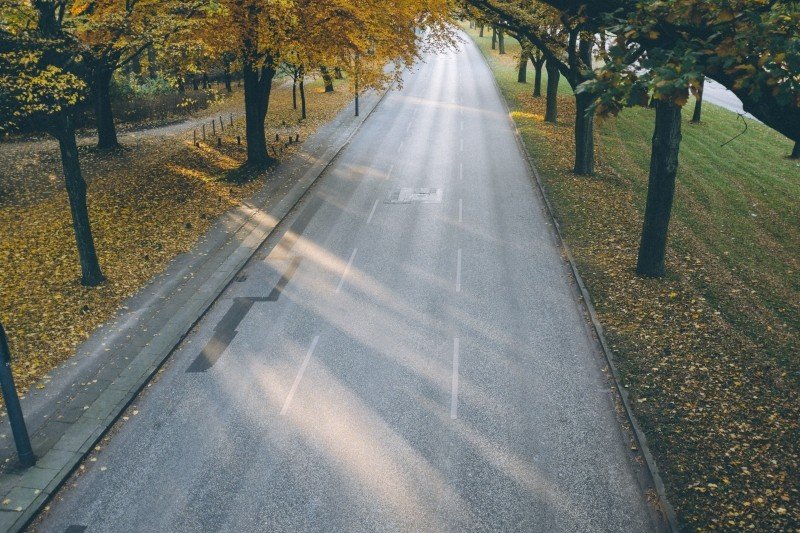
<point x="458" y="272"/>
<point x="461" y="171"/>
<point x="462" y="145"/>
<point x="460" y="210"/>
<point x="372" y="213"/>
<point x="454" y="389"/>
<point x="346" y="270"/>
<point x="300" y="373"/>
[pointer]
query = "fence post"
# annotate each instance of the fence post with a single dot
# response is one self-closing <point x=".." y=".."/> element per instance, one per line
<point x="18" y="428"/>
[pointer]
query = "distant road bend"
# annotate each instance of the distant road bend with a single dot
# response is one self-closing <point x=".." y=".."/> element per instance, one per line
<point x="407" y="354"/>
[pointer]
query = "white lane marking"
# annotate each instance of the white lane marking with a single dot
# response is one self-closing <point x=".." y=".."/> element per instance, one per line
<point x="461" y="124"/>
<point x="454" y="392"/>
<point x="460" y="210"/>
<point x="372" y="213"/>
<point x="458" y="272"/>
<point x="300" y="373"/>
<point x="462" y="145"/>
<point x="346" y="270"/>
<point x="461" y="171"/>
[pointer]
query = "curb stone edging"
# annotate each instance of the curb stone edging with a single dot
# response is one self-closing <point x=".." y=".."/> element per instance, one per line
<point x="663" y="510"/>
<point x="34" y="487"/>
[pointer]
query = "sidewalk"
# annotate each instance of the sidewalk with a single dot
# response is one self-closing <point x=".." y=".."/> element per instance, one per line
<point x="84" y="396"/>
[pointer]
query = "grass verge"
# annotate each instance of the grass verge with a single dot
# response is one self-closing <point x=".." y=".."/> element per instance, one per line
<point x="710" y="353"/>
<point x="148" y="203"/>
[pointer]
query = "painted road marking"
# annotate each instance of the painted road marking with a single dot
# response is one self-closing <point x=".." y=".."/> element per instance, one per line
<point x="458" y="272"/>
<point x="296" y="383"/>
<point x="460" y="210"/>
<point x="346" y="270"/>
<point x="454" y="388"/>
<point x="372" y="213"/>
<point x="461" y="171"/>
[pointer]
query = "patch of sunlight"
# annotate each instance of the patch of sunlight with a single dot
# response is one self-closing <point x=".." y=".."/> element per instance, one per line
<point x="225" y="162"/>
<point x="190" y="173"/>
<point x="524" y="114"/>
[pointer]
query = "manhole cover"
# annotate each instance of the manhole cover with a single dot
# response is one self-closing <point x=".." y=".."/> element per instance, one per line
<point x="419" y="195"/>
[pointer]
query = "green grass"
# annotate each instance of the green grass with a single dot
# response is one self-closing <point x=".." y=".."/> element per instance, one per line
<point x="710" y="353"/>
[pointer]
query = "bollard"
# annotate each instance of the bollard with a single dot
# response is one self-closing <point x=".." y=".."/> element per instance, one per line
<point x="213" y="127"/>
<point x="231" y="120"/>
<point x="221" y="124"/>
<point x="18" y="428"/>
<point x="204" y="132"/>
<point x="219" y="141"/>
<point x="297" y="138"/>
<point x="239" y="140"/>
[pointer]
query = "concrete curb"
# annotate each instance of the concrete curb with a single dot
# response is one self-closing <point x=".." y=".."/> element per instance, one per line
<point x="665" y="513"/>
<point x="28" y="491"/>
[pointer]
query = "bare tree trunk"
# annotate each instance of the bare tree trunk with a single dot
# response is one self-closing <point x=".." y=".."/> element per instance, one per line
<point x="660" y="189"/>
<point x="257" y="88"/>
<point x="494" y="38"/>
<point x="326" y="77"/>
<point x="796" y="150"/>
<point x="302" y="94"/>
<point x="64" y="131"/>
<point x="481" y="27"/>
<point x="522" y="74"/>
<point x="104" y="115"/>
<point x="698" y="103"/>
<point x="553" y="77"/>
<point x="584" y="134"/>
<point x="294" y="91"/>
<point x="501" y="41"/>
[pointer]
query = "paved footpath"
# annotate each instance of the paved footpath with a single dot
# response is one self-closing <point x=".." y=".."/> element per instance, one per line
<point x="405" y="353"/>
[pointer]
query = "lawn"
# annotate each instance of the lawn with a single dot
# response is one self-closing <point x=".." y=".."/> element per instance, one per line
<point x="709" y="354"/>
<point x="148" y="203"/>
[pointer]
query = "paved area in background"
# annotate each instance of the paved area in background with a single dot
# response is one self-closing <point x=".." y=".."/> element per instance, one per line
<point x="405" y="353"/>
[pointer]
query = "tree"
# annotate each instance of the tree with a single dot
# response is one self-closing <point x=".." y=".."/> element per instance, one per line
<point x="538" y="60"/>
<point x="698" y="102"/>
<point x="752" y="45"/>
<point x="42" y="77"/>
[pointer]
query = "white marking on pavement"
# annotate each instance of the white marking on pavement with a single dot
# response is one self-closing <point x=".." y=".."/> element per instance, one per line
<point x="346" y="270"/>
<point x="371" y="213"/>
<point x="461" y="171"/>
<point x="400" y="148"/>
<point x="462" y="145"/>
<point x="454" y="392"/>
<point x="460" y="210"/>
<point x="458" y="272"/>
<point x="391" y="168"/>
<point x="299" y="376"/>
<point x="409" y="126"/>
<point x="461" y="124"/>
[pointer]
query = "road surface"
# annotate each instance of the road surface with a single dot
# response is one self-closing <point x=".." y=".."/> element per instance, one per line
<point x="405" y="354"/>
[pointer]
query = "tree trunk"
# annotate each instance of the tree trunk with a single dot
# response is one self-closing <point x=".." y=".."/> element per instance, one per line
<point x="337" y="73"/>
<point x="660" y="189"/>
<point x="326" y="77"/>
<point x="257" y="88"/>
<point x="584" y="134"/>
<point x="698" y="103"/>
<point x="181" y="84"/>
<point x="151" y="62"/>
<point x="501" y="41"/>
<point x="494" y="38"/>
<point x="226" y="76"/>
<point x="537" y="79"/>
<point x="104" y="116"/>
<point x="522" y="74"/>
<point x="481" y="27"/>
<point x="195" y="83"/>
<point x="302" y="95"/>
<point x="205" y="80"/>
<point x="294" y="92"/>
<point x="64" y="131"/>
<point x="796" y="151"/>
<point x="553" y="77"/>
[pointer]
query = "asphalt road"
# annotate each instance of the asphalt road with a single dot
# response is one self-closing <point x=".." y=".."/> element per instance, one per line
<point x="406" y="354"/>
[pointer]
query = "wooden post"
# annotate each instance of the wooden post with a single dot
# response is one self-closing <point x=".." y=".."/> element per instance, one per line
<point x="213" y="127"/>
<point x="221" y="124"/>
